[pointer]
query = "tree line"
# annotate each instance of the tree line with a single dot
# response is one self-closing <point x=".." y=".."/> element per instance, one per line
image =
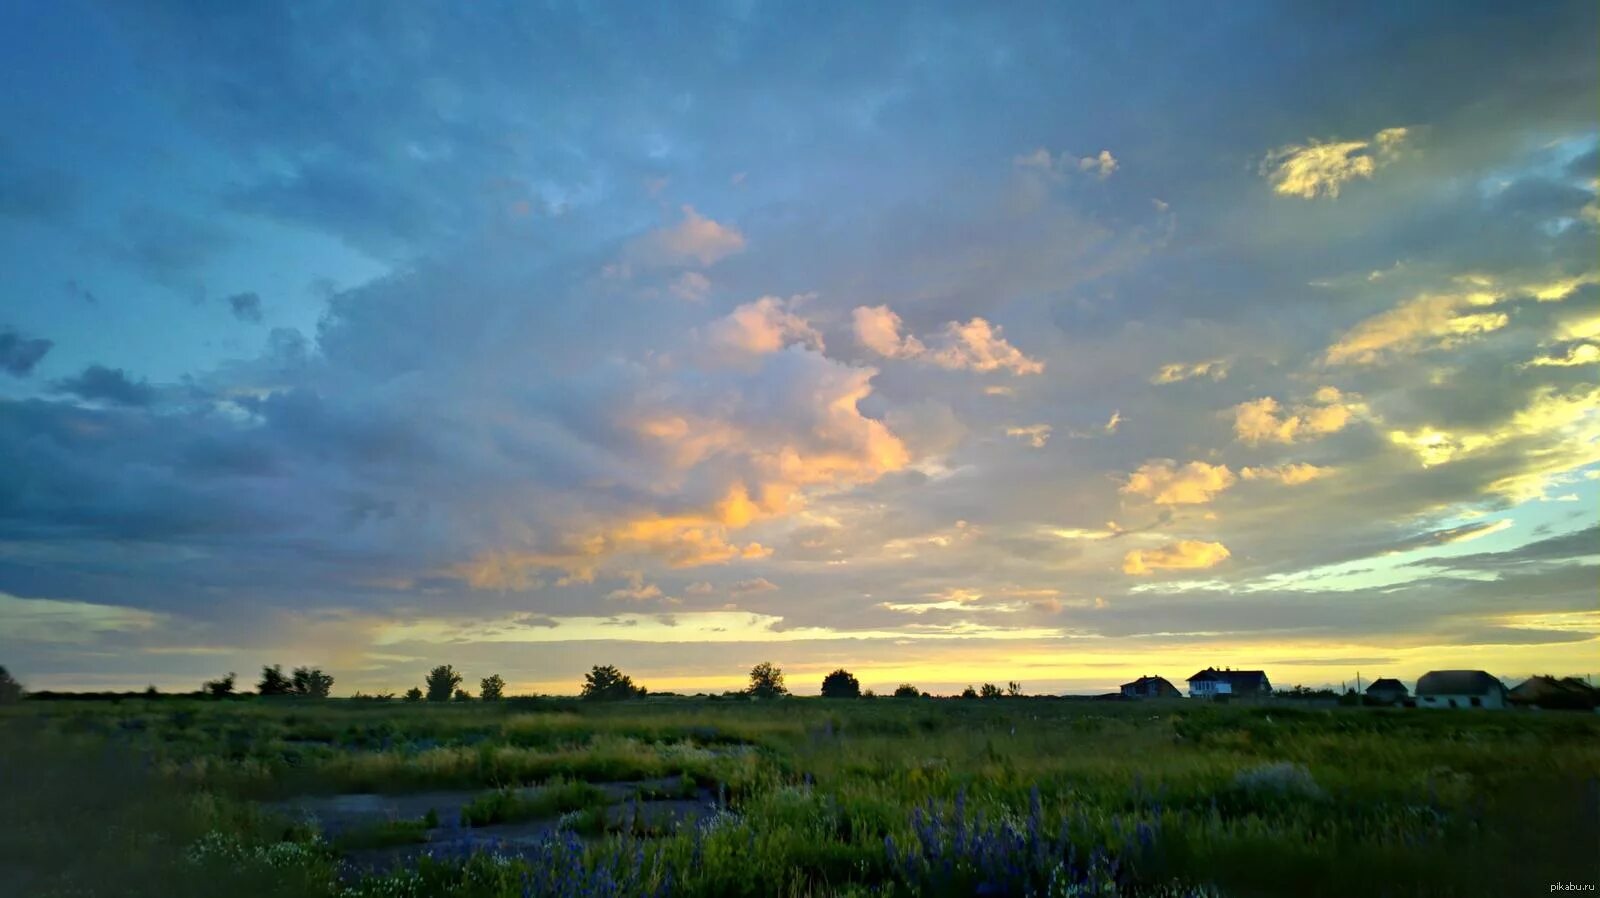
<point x="604" y="682"/>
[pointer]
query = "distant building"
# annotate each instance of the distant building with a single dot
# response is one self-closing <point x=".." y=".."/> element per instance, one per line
<point x="1387" y="691"/>
<point x="1150" y="687"/>
<point x="1460" y="689"/>
<point x="1213" y="683"/>
<point x="1550" y="692"/>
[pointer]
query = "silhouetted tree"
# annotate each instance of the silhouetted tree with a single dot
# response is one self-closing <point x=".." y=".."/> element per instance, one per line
<point x="604" y="682"/>
<point x="220" y="688"/>
<point x="1014" y="689"/>
<point x="969" y="692"/>
<point x="491" y="688"/>
<point x="311" y="682"/>
<point x="906" y="690"/>
<point x="10" y="689"/>
<point x="273" y="682"/>
<point x="840" y="684"/>
<point x="441" y="682"/>
<point x="989" y="690"/>
<point x="463" y="695"/>
<point x="766" y="681"/>
<point x="413" y="694"/>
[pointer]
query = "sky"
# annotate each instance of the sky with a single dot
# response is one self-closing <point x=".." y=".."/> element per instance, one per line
<point x="947" y="343"/>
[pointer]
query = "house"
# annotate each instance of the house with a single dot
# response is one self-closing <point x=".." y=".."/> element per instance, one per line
<point x="1213" y="683"/>
<point x="1549" y="692"/>
<point x="1387" y="691"/>
<point x="1150" y="687"/>
<point x="1460" y="689"/>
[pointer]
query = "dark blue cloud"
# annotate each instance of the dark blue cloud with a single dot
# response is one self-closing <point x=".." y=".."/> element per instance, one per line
<point x="20" y="353"/>
<point x="97" y="383"/>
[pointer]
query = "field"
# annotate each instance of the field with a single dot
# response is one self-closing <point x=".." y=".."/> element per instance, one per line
<point x="1010" y="796"/>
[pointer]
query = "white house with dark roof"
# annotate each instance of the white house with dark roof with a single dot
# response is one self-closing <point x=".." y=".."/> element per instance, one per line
<point x="1460" y="689"/>
<point x="1213" y="683"/>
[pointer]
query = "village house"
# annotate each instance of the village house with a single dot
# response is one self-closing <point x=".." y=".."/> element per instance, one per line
<point x="1460" y="689"/>
<point x="1569" y="693"/>
<point x="1387" y="691"/>
<point x="1150" y="687"/>
<point x="1213" y="683"/>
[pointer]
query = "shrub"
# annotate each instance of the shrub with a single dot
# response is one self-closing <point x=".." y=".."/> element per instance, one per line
<point x="906" y="690"/>
<point x="604" y="682"/>
<point x="1281" y="781"/>
<point x="219" y="688"/>
<point x="442" y="682"/>
<point x="311" y="682"/>
<point x="841" y="684"/>
<point x="273" y="682"/>
<point x="10" y="689"/>
<point x="413" y="694"/>
<point x="766" y="681"/>
<point x="491" y="688"/>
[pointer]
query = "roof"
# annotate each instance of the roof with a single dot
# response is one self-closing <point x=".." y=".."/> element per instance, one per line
<point x="1458" y="682"/>
<point x="1386" y="684"/>
<point x="1544" y="685"/>
<point x="1239" y="679"/>
<point x="1147" y="680"/>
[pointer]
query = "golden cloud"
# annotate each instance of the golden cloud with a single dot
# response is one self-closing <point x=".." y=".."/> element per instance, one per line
<point x="1292" y="474"/>
<point x="1183" y="555"/>
<point x="1264" y="420"/>
<point x="764" y="326"/>
<point x="1165" y="483"/>
<point x="1319" y="168"/>
<point x="1216" y="369"/>
<point x="976" y="345"/>
<point x="1035" y="435"/>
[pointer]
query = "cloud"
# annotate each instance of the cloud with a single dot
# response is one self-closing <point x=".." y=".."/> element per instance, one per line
<point x="878" y="329"/>
<point x="976" y="345"/>
<point x="750" y="586"/>
<point x="764" y="326"/>
<point x="1319" y="168"/>
<point x="1113" y="422"/>
<point x="1264" y="420"/>
<point x="1187" y="554"/>
<point x="1035" y="435"/>
<point x="1583" y="354"/>
<point x="1428" y="321"/>
<point x="246" y="307"/>
<point x="98" y="383"/>
<point x="979" y="346"/>
<point x="1165" y="483"/>
<point x="695" y="239"/>
<point x="1216" y="369"/>
<point x="637" y="589"/>
<point x="19" y="354"/>
<point x="1289" y="475"/>
<point x="1101" y="165"/>
<point x="691" y="286"/>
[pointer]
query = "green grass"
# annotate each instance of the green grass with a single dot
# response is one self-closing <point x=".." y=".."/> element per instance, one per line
<point x="159" y="797"/>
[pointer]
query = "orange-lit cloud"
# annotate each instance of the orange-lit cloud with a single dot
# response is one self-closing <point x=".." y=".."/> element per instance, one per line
<point x="878" y="329"/>
<point x="1186" y="554"/>
<point x="1164" y="482"/>
<point x="1035" y="435"/>
<point x="1264" y="420"/>
<point x="694" y="238"/>
<point x="764" y="326"/>
<point x="976" y="345"/>
<point x="1289" y="475"/>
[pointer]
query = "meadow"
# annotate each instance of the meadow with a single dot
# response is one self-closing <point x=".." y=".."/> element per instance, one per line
<point x="301" y="797"/>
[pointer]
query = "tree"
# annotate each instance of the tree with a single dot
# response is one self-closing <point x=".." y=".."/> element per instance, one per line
<point x="463" y="695"/>
<point x="273" y="682"/>
<point x="442" y="682"/>
<point x="491" y="688"/>
<point x="969" y="692"/>
<point x="413" y="694"/>
<point x="311" y="682"/>
<point x="10" y="689"/>
<point x="906" y="690"/>
<point x="604" y="682"/>
<point x="840" y="684"/>
<point x="766" y="681"/>
<point x="1014" y="689"/>
<point x="221" y="688"/>
<point x="989" y="690"/>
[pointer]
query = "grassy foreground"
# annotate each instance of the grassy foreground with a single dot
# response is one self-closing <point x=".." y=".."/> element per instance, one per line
<point x="817" y="797"/>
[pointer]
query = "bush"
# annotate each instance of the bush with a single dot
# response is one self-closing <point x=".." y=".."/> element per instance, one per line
<point x="413" y="694"/>
<point x="273" y="682"/>
<point x="607" y="683"/>
<point x="220" y="688"/>
<point x="1281" y="781"/>
<point x="491" y="688"/>
<point x="311" y="682"/>
<point x="906" y="690"/>
<point x="841" y="684"/>
<point x="442" y="682"/>
<point x="766" y="681"/>
<point x="10" y="689"/>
